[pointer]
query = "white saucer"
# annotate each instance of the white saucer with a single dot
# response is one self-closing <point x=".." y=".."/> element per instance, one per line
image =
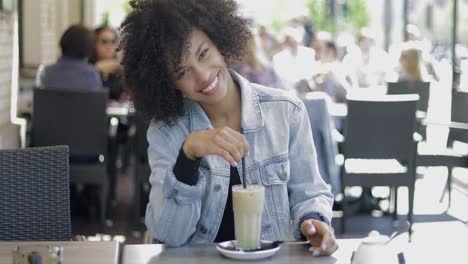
<point x="242" y="255"/>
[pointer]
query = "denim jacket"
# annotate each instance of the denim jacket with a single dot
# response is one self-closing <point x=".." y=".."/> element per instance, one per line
<point x="281" y="157"/>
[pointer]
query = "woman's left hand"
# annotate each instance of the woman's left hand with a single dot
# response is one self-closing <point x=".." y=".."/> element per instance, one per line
<point x="320" y="235"/>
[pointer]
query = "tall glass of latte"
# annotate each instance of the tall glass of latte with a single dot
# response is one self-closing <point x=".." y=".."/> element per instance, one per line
<point x="248" y="208"/>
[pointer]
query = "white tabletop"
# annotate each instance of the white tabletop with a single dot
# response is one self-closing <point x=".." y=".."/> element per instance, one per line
<point x="207" y="254"/>
<point x="431" y="248"/>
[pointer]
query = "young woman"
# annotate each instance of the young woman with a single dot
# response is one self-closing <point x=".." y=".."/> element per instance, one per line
<point x="206" y="118"/>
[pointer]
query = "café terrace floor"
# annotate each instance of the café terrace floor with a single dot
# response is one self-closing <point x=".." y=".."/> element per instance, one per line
<point x="433" y="222"/>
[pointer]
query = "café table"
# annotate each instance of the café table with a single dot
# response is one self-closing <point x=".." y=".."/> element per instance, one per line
<point x="433" y="246"/>
<point x="207" y="254"/>
<point x="74" y="252"/>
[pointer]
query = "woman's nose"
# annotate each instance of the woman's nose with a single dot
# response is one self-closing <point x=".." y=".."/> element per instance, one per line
<point x="202" y="75"/>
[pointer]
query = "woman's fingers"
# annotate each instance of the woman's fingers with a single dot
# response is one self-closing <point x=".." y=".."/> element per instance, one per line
<point x="242" y="141"/>
<point x="320" y="235"/>
<point x="223" y="142"/>
<point x="238" y="140"/>
<point x="232" y="141"/>
<point x="225" y="155"/>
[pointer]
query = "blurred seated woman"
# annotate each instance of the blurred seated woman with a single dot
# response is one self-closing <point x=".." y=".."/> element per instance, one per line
<point x="412" y="68"/>
<point x="72" y="70"/>
<point x="104" y="57"/>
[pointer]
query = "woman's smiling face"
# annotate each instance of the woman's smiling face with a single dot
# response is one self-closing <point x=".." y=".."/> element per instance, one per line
<point x="202" y="75"/>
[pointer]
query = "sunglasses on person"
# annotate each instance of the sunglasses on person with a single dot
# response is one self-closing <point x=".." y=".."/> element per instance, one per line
<point x="107" y="41"/>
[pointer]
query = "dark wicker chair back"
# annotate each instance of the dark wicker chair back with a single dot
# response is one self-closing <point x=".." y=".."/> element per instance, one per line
<point x="34" y="194"/>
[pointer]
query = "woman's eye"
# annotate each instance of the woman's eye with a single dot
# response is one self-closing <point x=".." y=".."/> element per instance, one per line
<point x="180" y="74"/>
<point x="203" y="54"/>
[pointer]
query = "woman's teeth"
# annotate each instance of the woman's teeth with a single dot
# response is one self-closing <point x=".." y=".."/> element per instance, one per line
<point x="211" y="86"/>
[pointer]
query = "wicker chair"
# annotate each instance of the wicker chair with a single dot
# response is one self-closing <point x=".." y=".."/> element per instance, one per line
<point x="34" y="194"/>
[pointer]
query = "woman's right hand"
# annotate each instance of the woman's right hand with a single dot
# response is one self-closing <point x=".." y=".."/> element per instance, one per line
<point x="224" y="142"/>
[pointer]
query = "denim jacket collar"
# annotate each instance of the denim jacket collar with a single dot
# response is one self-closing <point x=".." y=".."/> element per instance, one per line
<point x="252" y="118"/>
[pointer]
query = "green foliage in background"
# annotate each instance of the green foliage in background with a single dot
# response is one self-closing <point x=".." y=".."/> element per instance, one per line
<point x="105" y="18"/>
<point x="319" y="14"/>
<point x="352" y="15"/>
<point x="357" y="15"/>
<point x="277" y="21"/>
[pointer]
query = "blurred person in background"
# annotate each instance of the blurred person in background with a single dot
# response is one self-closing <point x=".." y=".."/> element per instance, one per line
<point x="367" y="64"/>
<point x="255" y="70"/>
<point x="411" y="65"/>
<point x="72" y="69"/>
<point x="104" y="57"/>
<point x="319" y="44"/>
<point x="268" y="45"/>
<point x="295" y="64"/>
<point x="106" y="61"/>
<point x="428" y="62"/>
<point x="330" y="77"/>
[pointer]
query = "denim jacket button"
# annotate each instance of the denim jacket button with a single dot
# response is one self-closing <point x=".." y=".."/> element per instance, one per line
<point x="283" y="175"/>
<point x="203" y="229"/>
<point x="217" y="188"/>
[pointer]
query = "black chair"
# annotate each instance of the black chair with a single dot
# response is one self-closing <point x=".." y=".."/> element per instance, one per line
<point x="34" y="194"/>
<point x="449" y="157"/>
<point x="379" y="149"/>
<point x="414" y="87"/>
<point x="142" y="170"/>
<point x="458" y="126"/>
<point x="76" y="118"/>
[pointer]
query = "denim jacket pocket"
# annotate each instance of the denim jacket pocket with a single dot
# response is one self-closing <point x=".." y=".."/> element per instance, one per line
<point x="275" y="173"/>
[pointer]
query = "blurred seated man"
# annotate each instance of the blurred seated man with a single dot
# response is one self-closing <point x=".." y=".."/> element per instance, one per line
<point x="367" y="64"/>
<point x="295" y="64"/>
<point x="72" y="70"/>
<point x="331" y="75"/>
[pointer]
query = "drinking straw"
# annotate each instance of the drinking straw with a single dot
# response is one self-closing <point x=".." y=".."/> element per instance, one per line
<point x="244" y="182"/>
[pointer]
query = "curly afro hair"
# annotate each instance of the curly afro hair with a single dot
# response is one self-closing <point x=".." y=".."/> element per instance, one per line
<point x="155" y="37"/>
